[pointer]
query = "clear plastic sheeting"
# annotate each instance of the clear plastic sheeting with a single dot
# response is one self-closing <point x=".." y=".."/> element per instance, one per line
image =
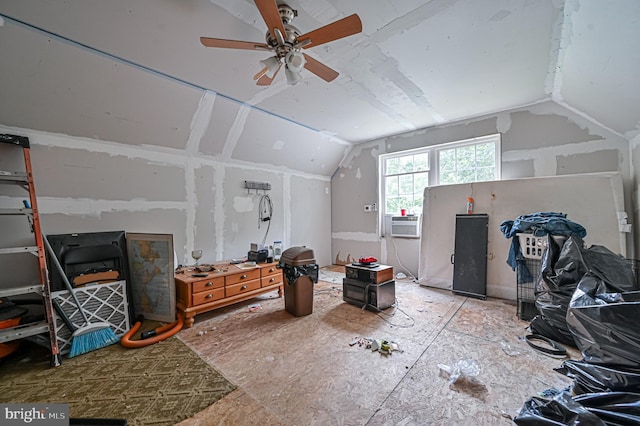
<point x="461" y="369"/>
<point x="601" y="320"/>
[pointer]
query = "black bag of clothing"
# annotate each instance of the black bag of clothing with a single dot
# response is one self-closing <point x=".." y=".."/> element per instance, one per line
<point x="560" y="270"/>
<point x="614" y="408"/>
<point x="592" y="378"/>
<point x="560" y="410"/>
<point x="602" y="320"/>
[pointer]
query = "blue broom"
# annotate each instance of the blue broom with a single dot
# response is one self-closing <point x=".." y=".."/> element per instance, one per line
<point x="91" y="336"/>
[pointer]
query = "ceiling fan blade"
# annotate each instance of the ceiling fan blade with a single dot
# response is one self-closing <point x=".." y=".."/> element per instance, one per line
<point x="265" y="80"/>
<point x="338" y="29"/>
<point x="233" y="44"/>
<point x="320" y="69"/>
<point x="269" y="11"/>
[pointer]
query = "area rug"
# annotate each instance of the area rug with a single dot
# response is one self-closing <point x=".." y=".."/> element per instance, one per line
<point x="160" y="384"/>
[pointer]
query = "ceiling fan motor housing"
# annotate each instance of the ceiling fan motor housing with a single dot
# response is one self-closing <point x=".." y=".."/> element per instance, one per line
<point x="287" y="13"/>
<point x="283" y="39"/>
<point x="290" y="38"/>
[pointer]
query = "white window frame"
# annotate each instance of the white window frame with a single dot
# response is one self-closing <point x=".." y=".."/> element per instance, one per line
<point x="434" y="165"/>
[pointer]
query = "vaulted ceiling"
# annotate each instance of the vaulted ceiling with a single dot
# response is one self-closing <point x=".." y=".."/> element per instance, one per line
<point x="135" y="72"/>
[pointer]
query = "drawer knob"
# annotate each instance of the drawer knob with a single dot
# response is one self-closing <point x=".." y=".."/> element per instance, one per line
<point x="243" y="276"/>
<point x="208" y="296"/>
<point x="272" y="280"/>
<point x="209" y="284"/>
<point x="244" y="287"/>
<point x="271" y="270"/>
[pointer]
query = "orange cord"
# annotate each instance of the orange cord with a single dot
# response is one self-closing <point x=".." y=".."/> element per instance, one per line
<point x="162" y="333"/>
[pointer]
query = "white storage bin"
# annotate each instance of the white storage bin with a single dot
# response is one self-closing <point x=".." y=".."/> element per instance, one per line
<point x="532" y="247"/>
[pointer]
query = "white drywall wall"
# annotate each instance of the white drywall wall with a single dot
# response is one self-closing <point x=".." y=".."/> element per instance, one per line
<point x="592" y="200"/>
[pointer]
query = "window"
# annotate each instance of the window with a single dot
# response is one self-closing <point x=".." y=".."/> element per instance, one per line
<point x="405" y="174"/>
<point x="405" y="178"/>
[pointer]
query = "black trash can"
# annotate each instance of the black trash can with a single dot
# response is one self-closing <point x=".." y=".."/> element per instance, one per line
<point x="300" y="273"/>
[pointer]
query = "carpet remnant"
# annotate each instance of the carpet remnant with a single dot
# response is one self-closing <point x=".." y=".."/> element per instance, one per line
<point x="160" y="384"/>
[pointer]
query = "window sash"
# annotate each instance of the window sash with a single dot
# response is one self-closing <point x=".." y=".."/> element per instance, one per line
<point x="479" y="165"/>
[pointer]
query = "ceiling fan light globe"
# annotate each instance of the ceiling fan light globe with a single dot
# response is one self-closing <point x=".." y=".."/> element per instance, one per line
<point x="293" y="77"/>
<point x="271" y="64"/>
<point x="295" y="61"/>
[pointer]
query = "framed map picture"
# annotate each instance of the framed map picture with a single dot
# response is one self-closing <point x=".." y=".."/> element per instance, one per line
<point x="151" y="271"/>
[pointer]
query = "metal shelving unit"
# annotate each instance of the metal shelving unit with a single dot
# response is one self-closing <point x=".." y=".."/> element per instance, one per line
<point x="43" y="331"/>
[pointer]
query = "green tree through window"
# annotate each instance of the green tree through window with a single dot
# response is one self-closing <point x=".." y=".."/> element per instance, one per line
<point x="404" y="175"/>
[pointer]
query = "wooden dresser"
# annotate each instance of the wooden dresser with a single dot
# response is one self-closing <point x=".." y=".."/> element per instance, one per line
<point x="225" y="285"/>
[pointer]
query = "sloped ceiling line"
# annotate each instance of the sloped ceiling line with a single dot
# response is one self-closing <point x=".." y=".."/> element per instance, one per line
<point x="200" y="121"/>
<point x="149" y="70"/>
<point x="560" y="41"/>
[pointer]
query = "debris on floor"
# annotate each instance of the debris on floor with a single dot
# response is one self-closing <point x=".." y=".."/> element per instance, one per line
<point x="385" y="347"/>
<point x="507" y="349"/>
<point x="459" y="369"/>
<point x="463" y="378"/>
<point x="255" y="307"/>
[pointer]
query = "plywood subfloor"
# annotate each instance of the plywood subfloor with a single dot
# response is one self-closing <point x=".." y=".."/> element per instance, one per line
<point x="302" y="371"/>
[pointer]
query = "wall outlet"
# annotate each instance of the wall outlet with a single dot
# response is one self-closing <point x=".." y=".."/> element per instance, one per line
<point x="368" y="208"/>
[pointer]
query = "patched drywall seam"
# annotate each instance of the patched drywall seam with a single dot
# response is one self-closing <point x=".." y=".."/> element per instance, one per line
<point x="219" y="218"/>
<point x="541" y="157"/>
<point x="152" y="154"/>
<point x="200" y="121"/>
<point x="503" y="122"/>
<point x="377" y="148"/>
<point x="192" y="204"/>
<point x="356" y="236"/>
<point x="560" y="40"/>
<point x="286" y="217"/>
<point x="589" y="118"/>
<point x="618" y="199"/>
<point x="235" y="131"/>
<point x="90" y="207"/>
<point x="242" y="204"/>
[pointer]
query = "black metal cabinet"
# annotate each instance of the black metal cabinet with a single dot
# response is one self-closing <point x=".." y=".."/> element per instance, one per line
<point x="470" y="255"/>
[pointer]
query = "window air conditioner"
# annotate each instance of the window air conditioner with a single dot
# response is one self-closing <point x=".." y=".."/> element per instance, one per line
<point x="405" y="226"/>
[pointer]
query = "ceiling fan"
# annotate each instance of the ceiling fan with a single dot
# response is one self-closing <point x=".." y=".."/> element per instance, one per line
<point x="287" y="43"/>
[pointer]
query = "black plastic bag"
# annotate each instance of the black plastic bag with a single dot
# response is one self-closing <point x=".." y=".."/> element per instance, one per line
<point x="602" y="321"/>
<point x="561" y="410"/>
<point x="614" y="408"/>
<point x="545" y="328"/>
<point x="560" y="270"/>
<point x="591" y="378"/>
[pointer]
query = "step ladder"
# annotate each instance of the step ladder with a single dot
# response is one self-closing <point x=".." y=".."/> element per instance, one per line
<point x="43" y="331"/>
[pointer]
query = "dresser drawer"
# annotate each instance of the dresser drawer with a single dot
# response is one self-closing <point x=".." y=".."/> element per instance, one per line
<point x="243" y="287"/>
<point x="208" y="296"/>
<point x="248" y="275"/>
<point x="271" y="270"/>
<point x="208" y="284"/>
<point x="271" y="280"/>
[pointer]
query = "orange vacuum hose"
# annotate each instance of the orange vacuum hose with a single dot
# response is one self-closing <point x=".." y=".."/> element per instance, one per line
<point x="161" y="333"/>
